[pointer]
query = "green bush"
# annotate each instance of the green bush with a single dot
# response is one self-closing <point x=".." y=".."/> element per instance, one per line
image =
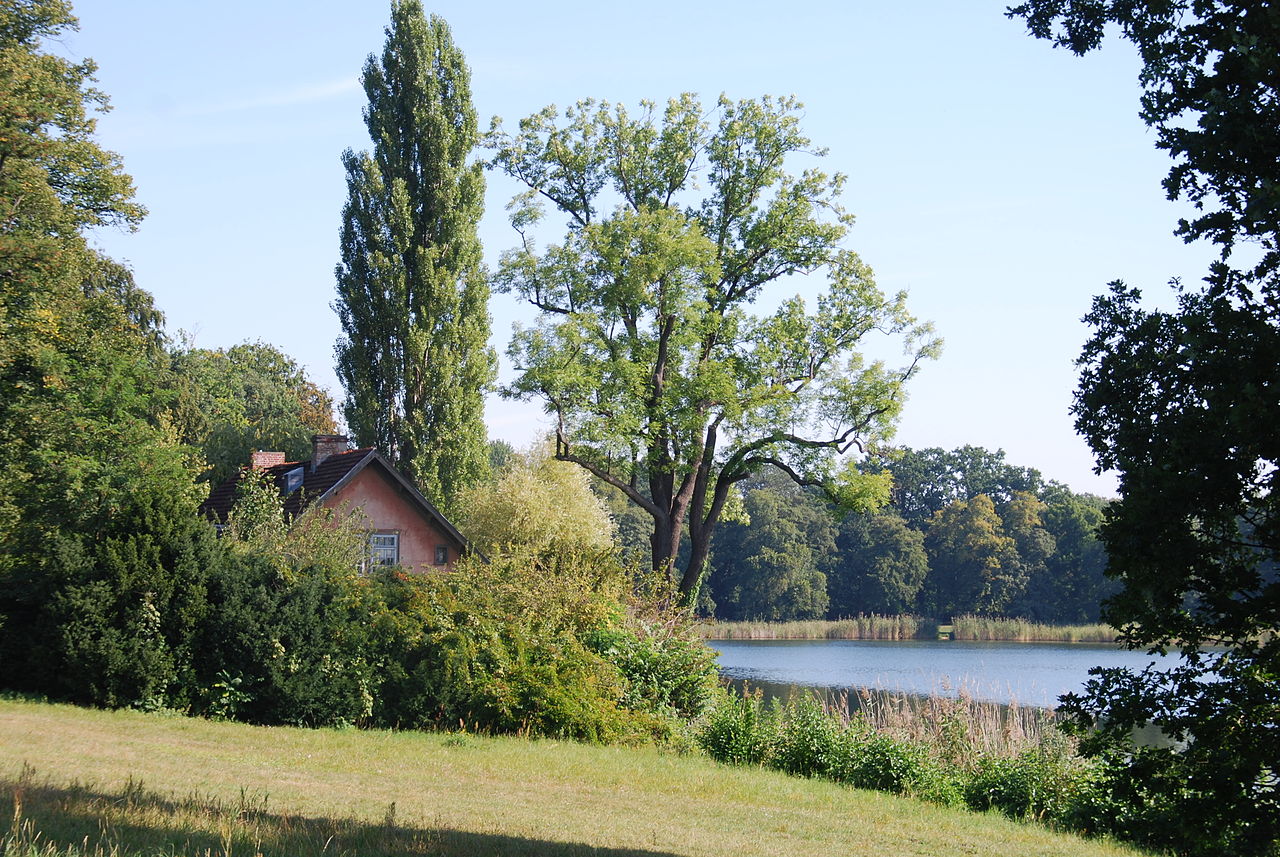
<point x="740" y="729"/>
<point x="665" y="672"/>
<point x="535" y="643"/>
<point x="295" y="651"/>
<point x="1045" y="783"/>
<point x="874" y="761"/>
<point x="809" y="740"/>
<point x="108" y="619"/>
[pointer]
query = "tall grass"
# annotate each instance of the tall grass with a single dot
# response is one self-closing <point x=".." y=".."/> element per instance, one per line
<point x="862" y="627"/>
<point x="958" y="729"/>
<point x="908" y="627"/>
<point x="999" y="629"/>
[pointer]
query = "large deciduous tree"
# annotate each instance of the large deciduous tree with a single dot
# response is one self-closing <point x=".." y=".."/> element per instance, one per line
<point x="973" y="562"/>
<point x="661" y="380"/>
<point x="880" y="566"/>
<point x="1184" y="406"/>
<point x="412" y="294"/>
<point x="100" y="549"/>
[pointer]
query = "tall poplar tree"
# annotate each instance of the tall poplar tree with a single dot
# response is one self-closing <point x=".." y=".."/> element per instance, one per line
<point x="412" y="295"/>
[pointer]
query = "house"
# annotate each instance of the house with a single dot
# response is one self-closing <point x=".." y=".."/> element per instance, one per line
<point x="404" y="527"/>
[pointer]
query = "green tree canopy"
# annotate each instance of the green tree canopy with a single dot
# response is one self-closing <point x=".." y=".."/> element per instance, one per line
<point x="880" y="566"/>
<point x="771" y="563"/>
<point x="536" y="503"/>
<point x="232" y="401"/>
<point x="412" y="295"/>
<point x="661" y="380"/>
<point x="1183" y="405"/>
<point x="101" y="554"/>
<point x="927" y="480"/>
<point x="1070" y="585"/>
<point x="974" y="564"/>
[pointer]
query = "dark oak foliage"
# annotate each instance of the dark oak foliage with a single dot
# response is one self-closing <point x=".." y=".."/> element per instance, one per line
<point x="1184" y="406"/>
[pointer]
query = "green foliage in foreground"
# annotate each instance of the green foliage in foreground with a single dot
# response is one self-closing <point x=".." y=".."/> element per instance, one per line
<point x="950" y="763"/>
<point x="1046" y="782"/>
<point x="276" y="625"/>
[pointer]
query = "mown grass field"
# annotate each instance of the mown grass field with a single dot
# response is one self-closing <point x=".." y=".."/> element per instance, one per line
<point x="122" y="783"/>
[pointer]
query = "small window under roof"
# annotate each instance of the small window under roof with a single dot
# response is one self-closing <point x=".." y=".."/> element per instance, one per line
<point x="293" y="480"/>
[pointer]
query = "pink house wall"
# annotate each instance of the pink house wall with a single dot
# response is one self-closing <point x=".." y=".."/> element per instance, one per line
<point x="389" y="512"/>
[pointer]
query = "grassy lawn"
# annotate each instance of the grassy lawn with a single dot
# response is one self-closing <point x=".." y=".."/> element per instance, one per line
<point x="120" y="783"/>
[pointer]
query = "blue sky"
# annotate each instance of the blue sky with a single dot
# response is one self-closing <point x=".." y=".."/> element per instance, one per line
<point x="1000" y="182"/>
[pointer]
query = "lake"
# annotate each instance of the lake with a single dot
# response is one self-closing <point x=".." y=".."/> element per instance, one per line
<point x="1031" y="673"/>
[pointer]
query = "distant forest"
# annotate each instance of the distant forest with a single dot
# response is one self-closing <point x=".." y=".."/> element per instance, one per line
<point x="964" y="532"/>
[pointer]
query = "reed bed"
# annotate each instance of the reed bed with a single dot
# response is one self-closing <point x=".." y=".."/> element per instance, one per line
<point x="999" y="629"/>
<point x="957" y="729"/>
<point x="862" y="627"/>
<point x="996" y="629"/>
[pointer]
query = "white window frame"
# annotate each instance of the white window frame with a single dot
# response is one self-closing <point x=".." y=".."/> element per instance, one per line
<point x="384" y="548"/>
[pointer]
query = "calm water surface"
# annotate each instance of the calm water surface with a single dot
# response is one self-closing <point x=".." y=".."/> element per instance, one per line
<point x="1030" y="673"/>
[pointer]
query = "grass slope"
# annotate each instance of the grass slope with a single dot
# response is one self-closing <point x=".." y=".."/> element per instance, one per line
<point x="120" y="783"/>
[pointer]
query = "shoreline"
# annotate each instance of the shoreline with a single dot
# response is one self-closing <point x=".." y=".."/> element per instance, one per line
<point x="906" y="628"/>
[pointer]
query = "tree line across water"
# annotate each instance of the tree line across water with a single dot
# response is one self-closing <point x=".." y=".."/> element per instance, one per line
<point x="964" y="532"/>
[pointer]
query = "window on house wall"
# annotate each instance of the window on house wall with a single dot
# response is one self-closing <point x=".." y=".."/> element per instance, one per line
<point x="384" y="549"/>
<point x="442" y="554"/>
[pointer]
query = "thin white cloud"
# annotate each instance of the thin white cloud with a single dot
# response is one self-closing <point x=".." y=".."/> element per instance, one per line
<point x="281" y="98"/>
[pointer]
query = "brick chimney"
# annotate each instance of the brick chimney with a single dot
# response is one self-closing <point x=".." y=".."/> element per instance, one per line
<point x="261" y="460"/>
<point x="325" y="445"/>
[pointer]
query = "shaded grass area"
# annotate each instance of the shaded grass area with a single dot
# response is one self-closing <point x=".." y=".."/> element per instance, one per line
<point x="77" y="820"/>
<point x="125" y="783"/>
<point x="907" y="627"/>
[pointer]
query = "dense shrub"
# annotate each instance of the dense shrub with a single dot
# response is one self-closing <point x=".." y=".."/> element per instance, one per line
<point x="740" y="729"/>
<point x="665" y="670"/>
<point x="808" y="740"/>
<point x="1044" y="783"/>
<point x="534" y="642"/>
<point x="294" y="649"/>
<point x="108" y="620"/>
<point x="454" y="660"/>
